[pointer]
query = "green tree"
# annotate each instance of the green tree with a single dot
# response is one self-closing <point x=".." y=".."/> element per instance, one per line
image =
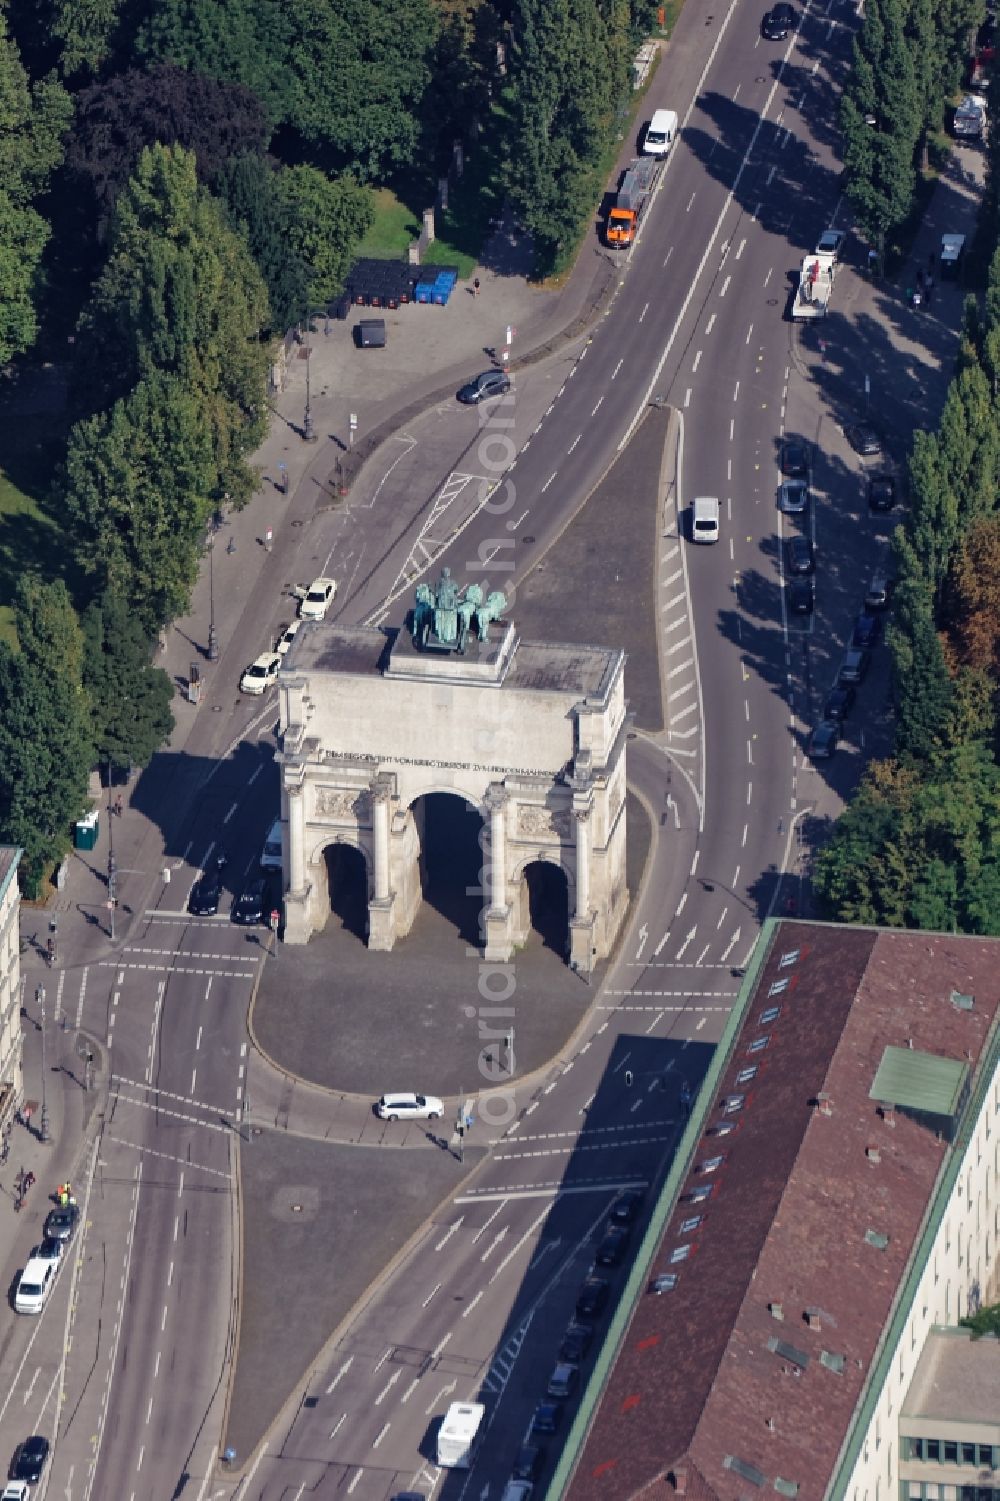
<point x="180" y="296"/>
<point x="882" y="118"/>
<point x="85" y="29"/>
<point x="324" y="218"/>
<point x="249" y="187"/>
<point x="137" y="489"/>
<point x="238" y="41"/>
<point x="45" y="746"/>
<point x="130" y="699"/>
<point x="923" y="687"/>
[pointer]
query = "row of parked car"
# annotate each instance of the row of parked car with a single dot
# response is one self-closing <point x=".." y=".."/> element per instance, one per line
<point x="591" y="1302"/>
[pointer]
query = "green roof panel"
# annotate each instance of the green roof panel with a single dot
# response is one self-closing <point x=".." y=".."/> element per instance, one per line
<point x="919" y="1081"/>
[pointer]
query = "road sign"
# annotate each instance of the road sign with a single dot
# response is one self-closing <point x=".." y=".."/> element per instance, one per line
<point x="354" y="422"/>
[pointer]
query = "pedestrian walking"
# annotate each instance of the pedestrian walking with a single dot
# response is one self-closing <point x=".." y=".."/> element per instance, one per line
<point x="29" y="1180"/>
<point x="475" y="287"/>
<point x="231" y="545"/>
<point x="119" y="805"/>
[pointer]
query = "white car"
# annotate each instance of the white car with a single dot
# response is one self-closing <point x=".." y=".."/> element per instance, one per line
<point x="409" y="1107"/>
<point x="262" y="674"/>
<point x="16" y="1490"/>
<point x="287" y="636"/>
<point x="317" y="599"/>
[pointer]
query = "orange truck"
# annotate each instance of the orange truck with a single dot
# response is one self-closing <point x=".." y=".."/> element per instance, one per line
<point x="635" y="191"/>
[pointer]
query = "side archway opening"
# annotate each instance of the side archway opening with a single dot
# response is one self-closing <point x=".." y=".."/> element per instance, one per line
<point x="347" y="882"/>
<point x="545" y="905"/>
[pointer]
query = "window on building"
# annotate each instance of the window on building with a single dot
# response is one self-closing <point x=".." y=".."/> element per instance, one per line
<point x="950" y="1492"/>
<point x="770" y="1015"/>
<point x="968" y="1454"/>
<point x="932" y="1450"/>
<point x="909" y="1448"/>
<point x="987" y="1457"/>
<point x="950" y="1452"/>
<point x="932" y="1492"/>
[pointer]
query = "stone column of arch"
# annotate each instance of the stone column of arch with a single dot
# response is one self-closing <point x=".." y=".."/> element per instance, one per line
<point x="296" y="839"/>
<point x="381" y="792"/>
<point x="582" y="822"/>
<point x="499" y="940"/>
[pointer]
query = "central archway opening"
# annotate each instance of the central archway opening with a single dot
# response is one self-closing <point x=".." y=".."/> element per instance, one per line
<point x="451" y="861"/>
<point x="347" y="880"/>
<point x="547" y="891"/>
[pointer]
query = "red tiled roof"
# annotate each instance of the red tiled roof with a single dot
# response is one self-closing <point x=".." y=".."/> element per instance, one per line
<point x="695" y="1385"/>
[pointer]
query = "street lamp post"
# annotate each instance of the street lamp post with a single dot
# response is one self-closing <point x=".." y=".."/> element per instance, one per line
<point x="213" y="640"/>
<point x="308" y="427"/>
<point x="43" y="1125"/>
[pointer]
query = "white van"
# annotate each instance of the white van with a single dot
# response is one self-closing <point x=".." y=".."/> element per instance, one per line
<point x="660" y="132"/>
<point x="705" y="519"/>
<point x="35" y="1284"/>
<point x="459" y="1435"/>
<point x="270" y="855"/>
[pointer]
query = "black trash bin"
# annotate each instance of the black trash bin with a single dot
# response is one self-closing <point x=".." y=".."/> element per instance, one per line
<point x="369" y="333"/>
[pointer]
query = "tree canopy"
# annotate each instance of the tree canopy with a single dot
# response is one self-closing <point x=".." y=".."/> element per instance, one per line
<point x="129" y="698"/>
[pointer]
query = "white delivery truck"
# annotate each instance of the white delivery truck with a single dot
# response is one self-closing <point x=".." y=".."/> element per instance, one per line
<point x="812" y="295"/>
<point x="660" y="133"/>
<point x="459" y="1435"/>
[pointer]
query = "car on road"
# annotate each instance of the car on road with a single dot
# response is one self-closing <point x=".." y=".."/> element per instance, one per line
<point x="777" y="23"/>
<point x="317" y="599"/>
<point x="854" y="666"/>
<point x="206" y="894"/>
<point x="794" y="459"/>
<point x="800" y="553"/>
<point x="409" y="1107"/>
<point x="16" y="1490"/>
<point x="705" y="512"/>
<point x="592" y="1298"/>
<point x="528" y="1462"/>
<point x="839" y="703"/>
<point x="823" y="740"/>
<point x="881" y="492"/>
<point x="562" y="1382"/>
<point x="793" y="496"/>
<point x="29" y="1461"/>
<point x="253" y="905"/>
<point x="518" y="1490"/>
<point x="866" y="630"/>
<point x="626" y="1207"/>
<point x="60" y="1224"/>
<point x="576" y="1341"/>
<point x="831" y="242"/>
<point x="548" y="1417"/>
<point x="261" y="674"/>
<point x="801" y="594"/>
<point x="34" y="1286"/>
<point x="287" y="636"/>
<point x="48" y="1250"/>
<point x="489" y="383"/>
<point x="613" y="1244"/>
<point x="864" y="439"/>
<point x="879" y="591"/>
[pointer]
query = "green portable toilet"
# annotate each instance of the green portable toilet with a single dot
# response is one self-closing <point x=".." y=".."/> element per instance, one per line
<point x="85" y="834"/>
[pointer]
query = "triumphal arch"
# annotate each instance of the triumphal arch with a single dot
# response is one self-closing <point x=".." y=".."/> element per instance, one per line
<point x="532" y="735"/>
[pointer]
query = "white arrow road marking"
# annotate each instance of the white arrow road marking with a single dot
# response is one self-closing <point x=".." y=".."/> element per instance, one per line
<point x="445" y="1391"/>
<point x="731" y="944"/>
<point x="497" y="1239"/>
<point x="340" y="1374"/>
<point x="643" y="935"/>
<point x="687" y="940"/>
<point x="449" y="1233"/>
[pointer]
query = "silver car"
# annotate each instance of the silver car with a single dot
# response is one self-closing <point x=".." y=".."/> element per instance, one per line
<point x="793" y="496"/>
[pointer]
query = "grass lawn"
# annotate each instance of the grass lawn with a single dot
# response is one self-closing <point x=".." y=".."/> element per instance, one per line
<point x="30" y="539"/>
<point x="396" y="224"/>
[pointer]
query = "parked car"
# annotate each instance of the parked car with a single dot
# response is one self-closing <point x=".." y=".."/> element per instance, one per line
<point x="206" y="894"/>
<point x="592" y="1297"/>
<point x="839" y="703"/>
<point x="627" y="1206"/>
<point x="562" y="1382"/>
<point x="29" y="1461"/>
<point x="866" y="630"/>
<point x="794" y="459"/>
<point x="528" y="1462"/>
<point x="287" y="636"/>
<point x="864" y="439"/>
<point x="801" y="557"/>
<point x="16" y="1490"/>
<point x="801" y="593"/>
<point x="490" y="383"/>
<point x="793" y="496"/>
<point x="48" y="1250"/>
<point x="854" y="666"/>
<point x="777" y="23"/>
<point x="60" y="1224"/>
<point x="613" y="1244"/>
<point x="409" y="1107"/>
<point x="823" y="740"/>
<point x="831" y="242"/>
<point x="881" y="492"/>
<point x="261" y="674"/>
<point x="547" y="1418"/>
<point x="576" y="1341"/>
<point x="253" y="905"/>
<point x="878" y="593"/>
<point x="317" y="599"/>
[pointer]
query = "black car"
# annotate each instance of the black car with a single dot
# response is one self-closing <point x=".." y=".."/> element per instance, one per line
<point x="60" y="1224"/>
<point x="593" y="1296"/>
<point x="879" y="592"/>
<point x="823" y="740"/>
<point x="253" y="905"/>
<point x="627" y="1206"/>
<point x="528" y="1462"/>
<point x="490" y="383"/>
<point x="801" y="593"/>
<point x="49" y="1250"/>
<point x="881" y="492"/>
<point x="576" y="1342"/>
<point x="206" y="895"/>
<point x="29" y="1461"/>
<point x="839" y="703"/>
<point x="794" y="459"/>
<point x="864" y="440"/>
<point x="866" y="629"/>
<point x="612" y="1246"/>
<point x="548" y="1416"/>
<point x="777" y="23"/>
<point x="854" y="667"/>
<point x="801" y="558"/>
